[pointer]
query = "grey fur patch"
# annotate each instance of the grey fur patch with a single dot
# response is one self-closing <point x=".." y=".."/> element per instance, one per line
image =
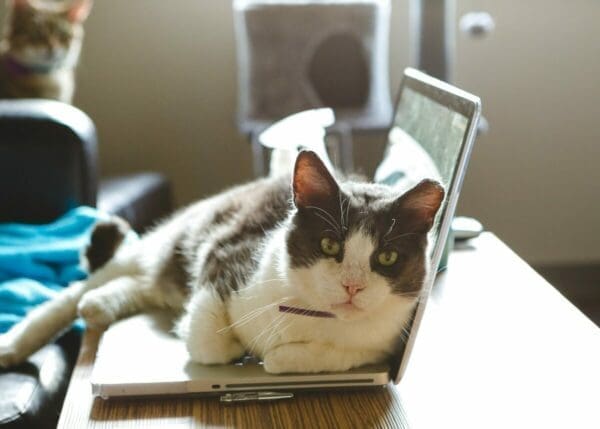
<point x="174" y="271"/>
<point x="221" y="250"/>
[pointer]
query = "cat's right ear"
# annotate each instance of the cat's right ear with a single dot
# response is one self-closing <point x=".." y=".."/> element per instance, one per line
<point x="421" y="204"/>
<point x="312" y="184"/>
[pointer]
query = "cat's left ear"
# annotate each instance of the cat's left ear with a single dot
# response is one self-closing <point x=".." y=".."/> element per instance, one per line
<point x="313" y="185"/>
<point x="420" y="205"/>
<point x="79" y="10"/>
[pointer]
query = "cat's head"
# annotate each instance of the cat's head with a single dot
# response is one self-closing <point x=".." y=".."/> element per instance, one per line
<point x="45" y="33"/>
<point x="352" y="247"/>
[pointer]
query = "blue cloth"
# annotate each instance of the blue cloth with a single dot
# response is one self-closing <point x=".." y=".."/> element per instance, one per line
<point x="36" y="261"/>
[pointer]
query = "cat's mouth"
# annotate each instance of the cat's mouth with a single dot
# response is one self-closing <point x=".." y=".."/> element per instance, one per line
<point x="347" y="306"/>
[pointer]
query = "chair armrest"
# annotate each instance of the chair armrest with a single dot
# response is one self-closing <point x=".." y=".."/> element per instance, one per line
<point x="33" y="392"/>
<point x="48" y="160"/>
<point x="141" y="198"/>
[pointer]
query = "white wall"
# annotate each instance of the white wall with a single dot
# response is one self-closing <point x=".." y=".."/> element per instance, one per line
<point x="535" y="179"/>
<point x="158" y="78"/>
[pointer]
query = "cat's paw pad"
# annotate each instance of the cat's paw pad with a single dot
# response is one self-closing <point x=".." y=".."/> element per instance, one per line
<point x="95" y="312"/>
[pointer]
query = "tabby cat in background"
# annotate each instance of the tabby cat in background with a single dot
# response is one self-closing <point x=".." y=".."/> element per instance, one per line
<point x="40" y="48"/>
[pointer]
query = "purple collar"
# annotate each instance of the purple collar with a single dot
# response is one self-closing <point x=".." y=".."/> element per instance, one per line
<point x="16" y="68"/>
<point x="304" y="312"/>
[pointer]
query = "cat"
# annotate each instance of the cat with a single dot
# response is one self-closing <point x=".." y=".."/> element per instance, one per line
<point x="316" y="276"/>
<point x="40" y="48"/>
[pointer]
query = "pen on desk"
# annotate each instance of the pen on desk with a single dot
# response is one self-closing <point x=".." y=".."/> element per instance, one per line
<point x="255" y="396"/>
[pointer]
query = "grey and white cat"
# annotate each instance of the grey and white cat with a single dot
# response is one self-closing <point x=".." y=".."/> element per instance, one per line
<point x="40" y="48"/>
<point x="353" y="251"/>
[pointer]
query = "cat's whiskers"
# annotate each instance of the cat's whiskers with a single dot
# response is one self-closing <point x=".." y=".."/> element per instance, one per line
<point x="274" y="330"/>
<point x="246" y="318"/>
<point x="396" y="237"/>
<point x="389" y="231"/>
<point x="253" y="314"/>
<point x="273" y="327"/>
<point x="337" y="230"/>
<point x="254" y="342"/>
<point x="341" y="203"/>
<point x="347" y="213"/>
<point x="328" y="218"/>
<point x="263" y="230"/>
<point x="249" y="297"/>
<point x="345" y="223"/>
<point x="281" y="332"/>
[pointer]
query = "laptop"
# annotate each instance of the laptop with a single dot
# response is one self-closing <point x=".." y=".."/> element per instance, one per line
<point x="436" y="124"/>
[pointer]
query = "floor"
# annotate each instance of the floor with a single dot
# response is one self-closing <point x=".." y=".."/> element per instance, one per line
<point x="579" y="283"/>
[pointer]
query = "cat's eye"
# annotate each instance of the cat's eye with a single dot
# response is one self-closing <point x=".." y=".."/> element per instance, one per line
<point x="330" y="246"/>
<point x="387" y="258"/>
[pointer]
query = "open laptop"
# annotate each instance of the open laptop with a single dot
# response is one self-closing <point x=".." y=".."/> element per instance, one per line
<point x="436" y="123"/>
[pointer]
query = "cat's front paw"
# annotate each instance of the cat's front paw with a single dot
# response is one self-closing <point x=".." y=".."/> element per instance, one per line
<point x="280" y="360"/>
<point x="95" y="311"/>
<point x="273" y="364"/>
<point x="212" y="351"/>
<point x="305" y="357"/>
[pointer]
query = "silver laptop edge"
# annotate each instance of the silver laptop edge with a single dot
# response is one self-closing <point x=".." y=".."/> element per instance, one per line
<point x="452" y="198"/>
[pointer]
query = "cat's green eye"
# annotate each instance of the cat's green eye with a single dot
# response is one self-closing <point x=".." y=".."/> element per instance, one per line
<point x="330" y="246"/>
<point x="387" y="258"/>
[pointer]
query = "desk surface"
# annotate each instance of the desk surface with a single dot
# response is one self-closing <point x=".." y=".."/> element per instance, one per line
<point x="498" y="347"/>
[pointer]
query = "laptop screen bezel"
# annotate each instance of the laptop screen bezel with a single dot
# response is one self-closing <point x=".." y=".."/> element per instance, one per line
<point x="469" y="106"/>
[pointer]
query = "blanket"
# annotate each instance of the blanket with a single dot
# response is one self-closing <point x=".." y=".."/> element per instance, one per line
<point x="36" y="261"/>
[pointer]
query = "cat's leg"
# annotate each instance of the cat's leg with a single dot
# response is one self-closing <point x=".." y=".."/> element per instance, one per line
<point x="315" y="357"/>
<point x="49" y="319"/>
<point x="40" y="325"/>
<point x="205" y="327"/>
<point x="117" y="299"/>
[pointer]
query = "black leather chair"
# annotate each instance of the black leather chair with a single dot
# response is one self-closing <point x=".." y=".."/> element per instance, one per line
<point x="48" y="165"/>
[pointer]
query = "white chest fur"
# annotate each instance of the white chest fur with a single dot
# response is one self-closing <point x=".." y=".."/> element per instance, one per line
<point x="261" y="327"/>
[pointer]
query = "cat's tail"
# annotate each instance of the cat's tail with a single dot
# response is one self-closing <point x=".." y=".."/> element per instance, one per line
<point x="53" y="317"/>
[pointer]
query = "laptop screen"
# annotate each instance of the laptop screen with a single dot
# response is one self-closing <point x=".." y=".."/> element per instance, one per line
<point x="439" y="131"/>
<point x="430" y="137"/>
<point x="437" y="128"/>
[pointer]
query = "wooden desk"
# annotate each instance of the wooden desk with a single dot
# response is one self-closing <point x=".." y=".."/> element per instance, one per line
<point x="499" y="347"/>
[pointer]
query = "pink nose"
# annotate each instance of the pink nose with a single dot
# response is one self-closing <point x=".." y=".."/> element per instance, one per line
<point x="353" y="288"/>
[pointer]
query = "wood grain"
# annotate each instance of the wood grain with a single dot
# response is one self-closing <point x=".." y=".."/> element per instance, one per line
<point x="499" y="347"/>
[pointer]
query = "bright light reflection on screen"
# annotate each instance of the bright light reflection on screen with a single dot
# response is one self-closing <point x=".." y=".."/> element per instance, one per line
<point x="431" y="136"/>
